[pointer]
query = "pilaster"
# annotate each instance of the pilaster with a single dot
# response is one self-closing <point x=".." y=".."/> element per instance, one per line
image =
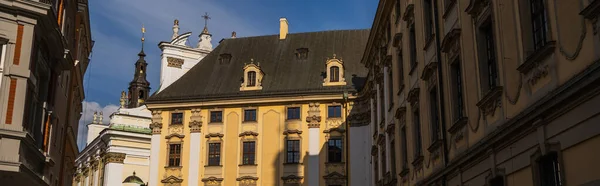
<point x="113" y="168"/>
<point x="314" y="123"/>
<point x="195" y="146"/>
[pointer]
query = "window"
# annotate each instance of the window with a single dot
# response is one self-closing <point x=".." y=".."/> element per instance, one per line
<point x="488" y="66"/>
<point x="216" y="116"/>
<point x="293" y="151"/>
<point x="390" y="87"/>
<point x="174" y="155"/>
<point x="334" y="73"/>
<point x="549" y="170"/>
<point x="249" y="153"/>
<point x="413" y="47"/>
<point x="400" y="69"/>
<point x="334" y="150"/>
<point x="141" y="96"/>
<point x="250" y="115"/>
<point x="404" y="148"/>
<point x="176" y="118"/>
<point x="214" y="154"/>
<point x="334" y="111"/>
<point x="381" y="103"/>
<point x="538" y="23"/>
<point x="435" y="124"/>
<point x="497" y="181"/>
<point x="417" y="133"/>
<point x="428" y="19"/>
<point x="393" y="156"/>
<point x="251" y="78"/>
<point x="398" y="11"/>
<point x="383" y="159"/>
<point x="457" y="93"/>
<point x="376" y="166"/>
<point x="293" y="113"/>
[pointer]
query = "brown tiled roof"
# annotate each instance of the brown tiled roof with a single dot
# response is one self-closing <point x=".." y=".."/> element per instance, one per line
<point x="285" y="75"/>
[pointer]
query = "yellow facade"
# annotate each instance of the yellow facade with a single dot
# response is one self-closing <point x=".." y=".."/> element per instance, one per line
<point x="270" y="132"/>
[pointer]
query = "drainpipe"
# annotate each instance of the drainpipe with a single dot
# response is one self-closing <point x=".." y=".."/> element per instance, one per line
<point x="440" y="82"/>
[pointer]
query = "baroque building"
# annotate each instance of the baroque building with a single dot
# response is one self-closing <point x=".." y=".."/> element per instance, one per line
<point x="44" y="50"/>
<point x="484" y="92"/>
<point x="265" y="110"/>
<point x="118" y="153"/>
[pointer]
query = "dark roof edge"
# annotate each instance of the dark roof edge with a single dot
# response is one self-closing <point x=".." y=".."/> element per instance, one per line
<point x="262" y="95"/>
<point x="298" y="33"/>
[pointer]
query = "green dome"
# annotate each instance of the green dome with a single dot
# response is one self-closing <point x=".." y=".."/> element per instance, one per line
<point x="133" y="179"/>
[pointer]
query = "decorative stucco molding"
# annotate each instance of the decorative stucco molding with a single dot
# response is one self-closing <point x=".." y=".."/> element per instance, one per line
<point x="156" y="125"/>
<point x="174" y="62"/>
<point x="113" y="157"/>
<point x="491" y="101"/>
<point x="292" y="179"/>
<point x="195" y="121"/>
<point x="247" y="180"/>
<point x="212" y="181"/>
<point x="314" y="115"/>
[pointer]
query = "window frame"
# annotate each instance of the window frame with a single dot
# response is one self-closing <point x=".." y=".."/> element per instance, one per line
<point x="211" y="120"/>
<point x="174" y="157"/>
<point x="249" y="156"/>
<point x="334" y="76"/>
<point x="332" y="155"/>
<point x="412" y="47"/>
<point x="457" y="90"/>
<point x="541" y="14"/>
<point x="329" y="113"/>
<point x="488" y="63"/>
<point x="434" y="115"/>
<point x="287" y="113"/>
<point x="552" y="158"/>
<point x="295" y="153"/>
<point x="404" y="138"/>
<point x="251" y="79"/>
<point x="428" y="24"/>
<point x="216" y="154"/>
<point x="418" y="143"/>
<point x="247" y="117"/>
<point x="172" y="119"/>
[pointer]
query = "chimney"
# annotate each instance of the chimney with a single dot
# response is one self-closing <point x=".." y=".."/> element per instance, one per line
<point x="233" y="34"/>
<point x="283" y="28"/>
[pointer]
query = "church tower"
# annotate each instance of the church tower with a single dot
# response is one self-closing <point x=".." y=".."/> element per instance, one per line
<point x="139" y="87"/>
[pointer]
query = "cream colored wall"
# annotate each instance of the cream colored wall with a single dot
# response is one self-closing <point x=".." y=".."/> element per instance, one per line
<point x="270" y="147"/>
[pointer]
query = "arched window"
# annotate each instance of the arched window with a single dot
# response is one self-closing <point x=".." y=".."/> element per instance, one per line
<point x="141" y="96"/>
<point x="251" y="79"/>
<point x="334" y="74"/>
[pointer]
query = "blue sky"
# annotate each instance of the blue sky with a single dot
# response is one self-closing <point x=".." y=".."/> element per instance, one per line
<point x="116" y="30"/>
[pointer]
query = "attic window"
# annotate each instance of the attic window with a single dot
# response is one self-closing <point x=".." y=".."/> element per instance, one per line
<point x="301" y="53"/>
<point x="224" y="58"/>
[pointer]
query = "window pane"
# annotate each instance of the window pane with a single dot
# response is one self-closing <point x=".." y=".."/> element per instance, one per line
<point x="335" y="74"/>
<point x="214" y="154"/>
<point x="293" y="113"/>
<point x="334" y="150"/>
<point x="177" y="118"/>
<point x="216" y="116"/>
<point x="293" y="151"/>
<point x="334" y="111"/>
<point x="251" y="78"/>
<point x="250" y="115"/>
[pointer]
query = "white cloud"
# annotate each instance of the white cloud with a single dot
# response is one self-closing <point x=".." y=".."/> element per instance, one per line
<point x="86" y="118"/>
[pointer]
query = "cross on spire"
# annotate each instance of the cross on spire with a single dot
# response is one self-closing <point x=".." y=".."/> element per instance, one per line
<point x="206" y="18"/>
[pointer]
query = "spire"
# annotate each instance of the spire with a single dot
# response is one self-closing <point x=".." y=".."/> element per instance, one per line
<point x="142" y="54"/>
<point x="139" y="87"/>
<point x="206" y="18"/>
<point x="175" y="29"/>
<point x="205" y="36"/>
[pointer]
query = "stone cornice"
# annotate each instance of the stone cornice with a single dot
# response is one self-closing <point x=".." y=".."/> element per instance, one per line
<point x="248" y="133"/>
<point x="210" y="135"/>
<point x="491" y="101"/>
<point x="292" y="179"/>
<point x="313" y="121"/>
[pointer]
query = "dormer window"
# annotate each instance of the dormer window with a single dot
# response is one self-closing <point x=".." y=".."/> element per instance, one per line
<point x="301" y="53"/>
<point x="252" y="77"/>
<point x="335" y="72"/>
<point x="224" y="58"/>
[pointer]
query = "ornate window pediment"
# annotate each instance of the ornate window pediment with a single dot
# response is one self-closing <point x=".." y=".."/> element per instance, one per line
<point x="334" y="72"/>
<point x="252" y="77"/>
<point x="225" y="58"/>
